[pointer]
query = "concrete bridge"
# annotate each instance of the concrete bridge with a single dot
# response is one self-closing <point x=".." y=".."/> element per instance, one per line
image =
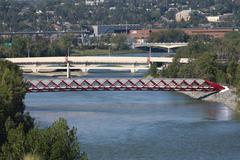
<point x="156" y="84"/>
<point x="86" y="63"/>
<point x="167" y="46"/>
<point x="83" y="67"/>
<point x="43" y="32"/>
<point x="92" y="60"/>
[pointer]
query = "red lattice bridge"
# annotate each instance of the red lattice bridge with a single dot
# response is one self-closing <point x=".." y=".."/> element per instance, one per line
<point x="156" y="84"/>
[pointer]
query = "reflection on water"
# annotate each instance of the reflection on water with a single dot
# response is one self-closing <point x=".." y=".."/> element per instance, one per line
<point x="220" y="114"/>
<point x="142" y="125"/>
<point x="90" y="74"/>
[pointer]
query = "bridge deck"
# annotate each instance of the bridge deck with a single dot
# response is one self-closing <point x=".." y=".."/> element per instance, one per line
<point x="92" y="59"/>
<point x="156" y="84"/>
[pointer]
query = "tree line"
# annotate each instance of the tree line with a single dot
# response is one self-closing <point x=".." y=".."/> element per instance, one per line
<point x="20" y="46"/>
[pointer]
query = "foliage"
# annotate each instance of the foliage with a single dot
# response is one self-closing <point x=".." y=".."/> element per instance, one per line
<point x="22" y="46"/>
<point x="18" y="136"/>
<point x="231" y="71"/>
<point x="12" y="92"/>
<point x="168" y="36"/>
<point x="194" y="49"/>
<point x="197" y="18"/>
<point x="119" y="42"/>
<point x="55" y="142"/>
<point x="207" y="60"/>
<point x="153" y="71"/>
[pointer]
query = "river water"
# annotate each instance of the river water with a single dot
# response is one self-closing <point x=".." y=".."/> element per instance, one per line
<point x="141" y="125"/>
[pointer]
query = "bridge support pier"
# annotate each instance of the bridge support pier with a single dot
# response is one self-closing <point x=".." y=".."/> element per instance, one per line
<point x="68" y="70"/>
<point x="133" y="69"/>
<point x="35" y="69"/>
<point x="169" y="50"/>
<point x="84" y="70"/>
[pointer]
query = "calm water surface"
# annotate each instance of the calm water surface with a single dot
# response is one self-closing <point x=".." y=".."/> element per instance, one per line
<point x="141" y="125"/>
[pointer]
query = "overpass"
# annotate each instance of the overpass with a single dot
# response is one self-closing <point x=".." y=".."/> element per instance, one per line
<point x="146" y="84"/>
<point x="92" y="59"/>
<point x="86" y="63"/>
<point x="167" y="46"/>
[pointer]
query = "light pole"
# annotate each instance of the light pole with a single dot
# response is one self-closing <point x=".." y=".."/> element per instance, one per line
<point x="28" y="49"/>
<point x="109" y="50"/>
<point x="68" y="52"/>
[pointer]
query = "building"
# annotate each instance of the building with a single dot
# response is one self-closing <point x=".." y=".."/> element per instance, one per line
<point x="219" y="18"/>
<point x="214" y="33"/>
<point x="141" y="36"/>
<point x="213" y="19"/>
<point x="99" y="30"/>
<point x="93" y="2"/>
<point x="184" y="15"/>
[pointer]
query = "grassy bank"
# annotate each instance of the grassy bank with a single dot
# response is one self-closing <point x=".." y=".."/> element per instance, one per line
<point x="95" y="52"/>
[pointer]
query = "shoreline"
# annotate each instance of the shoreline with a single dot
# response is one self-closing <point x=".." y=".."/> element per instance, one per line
<point x="227" y="98"/>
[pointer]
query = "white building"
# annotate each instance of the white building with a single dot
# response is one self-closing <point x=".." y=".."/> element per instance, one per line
<point x="219" y="18"/>
<point x="93" y="2"/>
<point x="184" y="15"/>
<point x="213" y="18"/>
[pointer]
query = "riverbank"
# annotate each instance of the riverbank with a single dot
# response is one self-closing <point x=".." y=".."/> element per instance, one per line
<point x="228" y="98"/>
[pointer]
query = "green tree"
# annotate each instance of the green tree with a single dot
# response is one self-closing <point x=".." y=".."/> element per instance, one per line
<point x="197" y="18"/>
<point x="12" y="93"/>
<point x="18" y="136"/>
<point x="14" y="148"/>
<point x="65" y="42"/>
<point x="171" y="71"/>
<point x="231" y="71"/>
<point x="206" y="67"/>
<point x="153" y="70"/>
<point x="119" y="42"/>
<point x="19" y="47"/>
<point x="168" y="36"/>
<point x="58" y="141"/>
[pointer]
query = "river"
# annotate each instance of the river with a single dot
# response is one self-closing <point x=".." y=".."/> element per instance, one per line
<point x="141" y="125"/>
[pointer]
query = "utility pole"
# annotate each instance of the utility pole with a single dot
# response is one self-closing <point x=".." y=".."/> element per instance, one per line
<point x="28" y="52"/>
